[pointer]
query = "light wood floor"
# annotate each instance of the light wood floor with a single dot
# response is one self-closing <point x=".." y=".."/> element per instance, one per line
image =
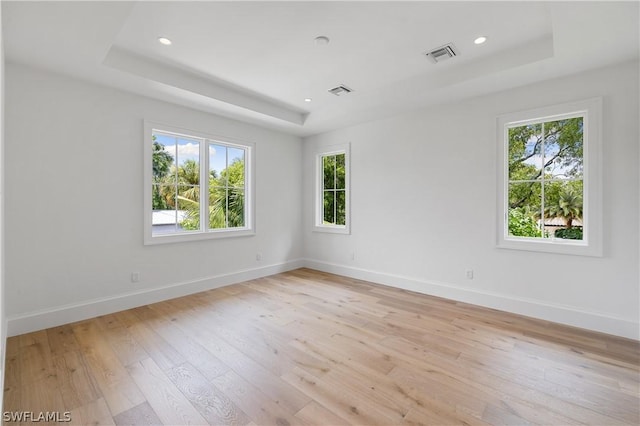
<point x="306" y="347"/>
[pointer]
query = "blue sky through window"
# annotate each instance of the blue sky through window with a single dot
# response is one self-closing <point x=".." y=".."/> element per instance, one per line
<point x="188" y="149"/>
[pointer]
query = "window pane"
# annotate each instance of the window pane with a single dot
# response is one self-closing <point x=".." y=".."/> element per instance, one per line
<point x="525" y="152"/>
<point x="235" y="212"/>
<point x="167" y="195"/>
<point x="525" y="195"/>
<point x="563" y="209"/>
<point x="329" y="168"/>
<point x="188" y="160"/>
<point x="167" y="220"/>
<point x="563" y="148"/>
<point x="217" y="162"/>
<point x="163" y="222"/>
<point x="163" y="169"/>
<point x="226" y="187"/>
<point x="340" y="171"/>
<point x="328" y="212"/>
<point x="188" y="208"/>
<point x="341" y="208"/>
<point x="525" y="209"/>
<point x="158" y="201"/>
<point x="217" y="207"/>
<point x="188" y="195"/>
<point x="235" y="171"/>
<point x="164" y="156"/>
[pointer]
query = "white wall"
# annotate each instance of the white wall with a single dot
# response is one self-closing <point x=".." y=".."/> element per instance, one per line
<point x="74" y="198"/>
<point x="423" y="208"/>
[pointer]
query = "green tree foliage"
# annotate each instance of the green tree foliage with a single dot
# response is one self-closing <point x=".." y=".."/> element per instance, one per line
<point x="569" y="233"/>
<point x="567" y="205"/>
<point x="523" y="223"/>
<point x="161" y="164"/>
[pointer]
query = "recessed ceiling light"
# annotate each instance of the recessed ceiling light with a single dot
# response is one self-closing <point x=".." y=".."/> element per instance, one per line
<point x="480" y="40"/>
<point x="322" y="40"/>
<point x="308" y="99"/>
<point x="164" y="40"/>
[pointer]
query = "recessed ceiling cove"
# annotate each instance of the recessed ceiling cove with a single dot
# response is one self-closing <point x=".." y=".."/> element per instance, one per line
<point x="259" y="61"/>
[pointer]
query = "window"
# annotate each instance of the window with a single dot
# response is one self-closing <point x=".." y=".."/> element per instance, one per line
<point x="332" y="194"/>
<point x="196" y="186"/>
<point x="549" y="196"/>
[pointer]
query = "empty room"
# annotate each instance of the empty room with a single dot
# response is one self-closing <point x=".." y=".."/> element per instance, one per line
<point x="320" y="213"/>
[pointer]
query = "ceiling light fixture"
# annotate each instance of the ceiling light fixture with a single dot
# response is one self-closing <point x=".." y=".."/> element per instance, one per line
<point x="308" y="99"/>
<point x="480" y="40"/>
<point x="322" y="40"/>
<point x="164" y="40"/>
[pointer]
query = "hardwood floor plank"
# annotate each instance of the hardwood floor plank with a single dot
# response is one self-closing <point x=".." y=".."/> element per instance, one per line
<point x="315" y="414"/>
<point x="253" y="401"/>
<point x="139" y="415"/>
<point x="113" y="381"/>
<point x="62" y="340"/>
<point x="36" y="362"/>
<point x="124" y="345"/>
<point x="353" y="408"/>
<point x="162" y="353"/>
<point x="171" y="406"/>
<point x="212" y="404"/>
<point x="74" y="379"/>
<point x="193" y="352"/>
<point x="12" y="376"/>
<point x="93" y="413"/>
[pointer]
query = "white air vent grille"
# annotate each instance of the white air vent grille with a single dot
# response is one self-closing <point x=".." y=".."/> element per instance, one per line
<point x="442" y="53"/>
<point x="340" y="90"/>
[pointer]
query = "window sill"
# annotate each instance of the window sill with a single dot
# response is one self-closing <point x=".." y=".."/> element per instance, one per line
<point x="332" y="229"/>
<point x="197" y="236"/>
<point x="558" y="246"/>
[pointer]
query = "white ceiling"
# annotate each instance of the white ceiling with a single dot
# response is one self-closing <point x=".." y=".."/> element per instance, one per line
<point x="257" y="61"/>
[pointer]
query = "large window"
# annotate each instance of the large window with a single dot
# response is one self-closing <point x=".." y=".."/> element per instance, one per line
<point x="332" y="195"/>
<point x="549" y="180"/>
<point x="197" y="186"/>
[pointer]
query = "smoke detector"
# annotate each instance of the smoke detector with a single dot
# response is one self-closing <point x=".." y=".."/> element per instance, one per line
<point x="442" y="53"/>
<point x="340" y="90"/>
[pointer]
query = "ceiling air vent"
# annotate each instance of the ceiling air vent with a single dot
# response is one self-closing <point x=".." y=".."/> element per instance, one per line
<point x="441" y="53"/>
<point x="340" y="90"/>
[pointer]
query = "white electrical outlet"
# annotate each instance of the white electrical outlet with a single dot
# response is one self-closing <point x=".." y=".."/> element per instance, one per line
<point x="135" y="277"/>
<point x="469" y="274"/>
<point x="258" y="256"/>
<point x="352" y="256"/>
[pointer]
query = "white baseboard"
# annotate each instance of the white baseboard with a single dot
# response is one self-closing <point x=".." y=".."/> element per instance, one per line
<point x="569" y="315"/>
<point x="38" y="320"/>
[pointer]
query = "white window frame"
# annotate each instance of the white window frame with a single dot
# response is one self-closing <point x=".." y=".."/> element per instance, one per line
<point x="205" y="233"/>
<point x="318" y="223"/>
<point x="591" y="244"/>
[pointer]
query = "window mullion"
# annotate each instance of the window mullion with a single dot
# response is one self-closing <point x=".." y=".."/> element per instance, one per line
<point x="175" y="186"/>
<point x="226" y="188"/>
<point x="204" y="185"/>
<point x="335" y="191"/>
<point x="543" y="155"/>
